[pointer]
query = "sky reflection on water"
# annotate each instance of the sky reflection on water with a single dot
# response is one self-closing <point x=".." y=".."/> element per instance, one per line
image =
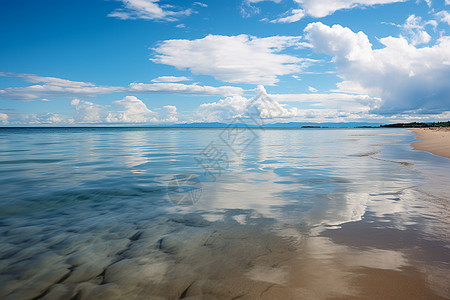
<point x="347" y="201"/>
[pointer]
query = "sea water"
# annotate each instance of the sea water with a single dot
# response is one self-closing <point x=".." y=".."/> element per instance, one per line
<point x="221" y="213"/>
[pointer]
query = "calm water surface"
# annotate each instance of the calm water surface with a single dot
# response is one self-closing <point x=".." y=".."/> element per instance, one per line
<point x="148" y="213"/>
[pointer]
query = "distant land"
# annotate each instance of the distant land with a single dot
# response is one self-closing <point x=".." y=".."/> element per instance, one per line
<point x="418" y="125"/>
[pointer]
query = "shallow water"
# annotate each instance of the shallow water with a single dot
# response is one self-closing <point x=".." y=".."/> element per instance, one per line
<point x="151" y="213"/>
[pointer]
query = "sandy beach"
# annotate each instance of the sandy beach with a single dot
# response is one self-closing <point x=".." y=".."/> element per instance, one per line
<point x="433" y="140"/>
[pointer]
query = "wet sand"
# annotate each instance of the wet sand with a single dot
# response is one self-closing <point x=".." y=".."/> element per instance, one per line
<point x="433" y="140"/>
<point x="155" y="260"/>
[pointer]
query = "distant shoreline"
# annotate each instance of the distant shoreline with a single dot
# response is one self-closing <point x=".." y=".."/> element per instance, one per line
<point x="433" y="140"/>
<point x="242" y="124"/>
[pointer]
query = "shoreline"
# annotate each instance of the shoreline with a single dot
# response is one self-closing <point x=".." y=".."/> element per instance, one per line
<point x="433" y="140"/>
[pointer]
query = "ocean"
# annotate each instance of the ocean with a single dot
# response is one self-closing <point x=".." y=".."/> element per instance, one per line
<point x="222" y="213"/>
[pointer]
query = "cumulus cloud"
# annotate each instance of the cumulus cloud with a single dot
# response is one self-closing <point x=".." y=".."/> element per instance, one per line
<point x="223" y="110"/>
<point x="185" y="89"/>
<point x="169" y="114"/>
<point x="128" y="110"/>
<point x="406" y="78"/>
<point x="88" y="112"/>
<point x="131" y="110"/>
<point x="148" y="10"/>
<point x="333" y="107"/>
<point x="236" y="59"/>
<point x="261" y="106"/>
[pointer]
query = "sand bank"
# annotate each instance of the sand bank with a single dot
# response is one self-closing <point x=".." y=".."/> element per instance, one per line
<point x="433" y="140"/>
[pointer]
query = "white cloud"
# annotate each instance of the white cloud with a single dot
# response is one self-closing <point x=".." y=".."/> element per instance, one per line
<point x="56" y="87"/>
<point x="312" y="90"/>
<point x="128" y="110"/>
<point x="41" y="119"/>
<point x="333" y="107"/>
<point x="322" y="8"/>
<point x="225" y="110"/>
<point x="447" y="2"/>
<point x="257" y="1"/>
<point x="295" y="15"/>
<point x="201" y="4"/>
<point x="53" y="87"/>
<point x="444" y="16"/>
<point x="169" y="114"/>
<point x="3" y="119"/>
<point x="237" y="59"/>
<point x="406" y="78"/>
<point x="414" y="28"/>
<point x="185" y="89"/>
<point x="351" y="87"/>
<point x="132" y="110"/>
<point x="147" y="10"/>
<point x="317" y="8"/>
<point x="170" y="109"/>
<point x="337" y="101"/>
<point x="171" y="79"/>
<point x="247" y="7"/>
<point x="88" y="112"/>
<point x="48" y="80"/>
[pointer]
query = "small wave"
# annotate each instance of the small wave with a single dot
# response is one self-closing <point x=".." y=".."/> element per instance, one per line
<point x="366" y="154"/>
<point x="30" y="161"/>
<point x="407" y="164"/>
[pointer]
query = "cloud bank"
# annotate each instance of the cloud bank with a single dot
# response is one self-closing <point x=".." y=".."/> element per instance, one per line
<point x="51" y="87"/>
<point x="334" y="107"/>
<point x="128" y="110"/>
<point x="184" y="89"/>
<point x="406" y="78"/>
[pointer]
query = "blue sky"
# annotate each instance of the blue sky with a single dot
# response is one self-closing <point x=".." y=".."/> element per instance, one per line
<point x="138" y="62"/>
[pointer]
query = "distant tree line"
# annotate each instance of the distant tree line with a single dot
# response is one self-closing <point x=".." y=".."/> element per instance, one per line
<point x="418" y="125"/>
